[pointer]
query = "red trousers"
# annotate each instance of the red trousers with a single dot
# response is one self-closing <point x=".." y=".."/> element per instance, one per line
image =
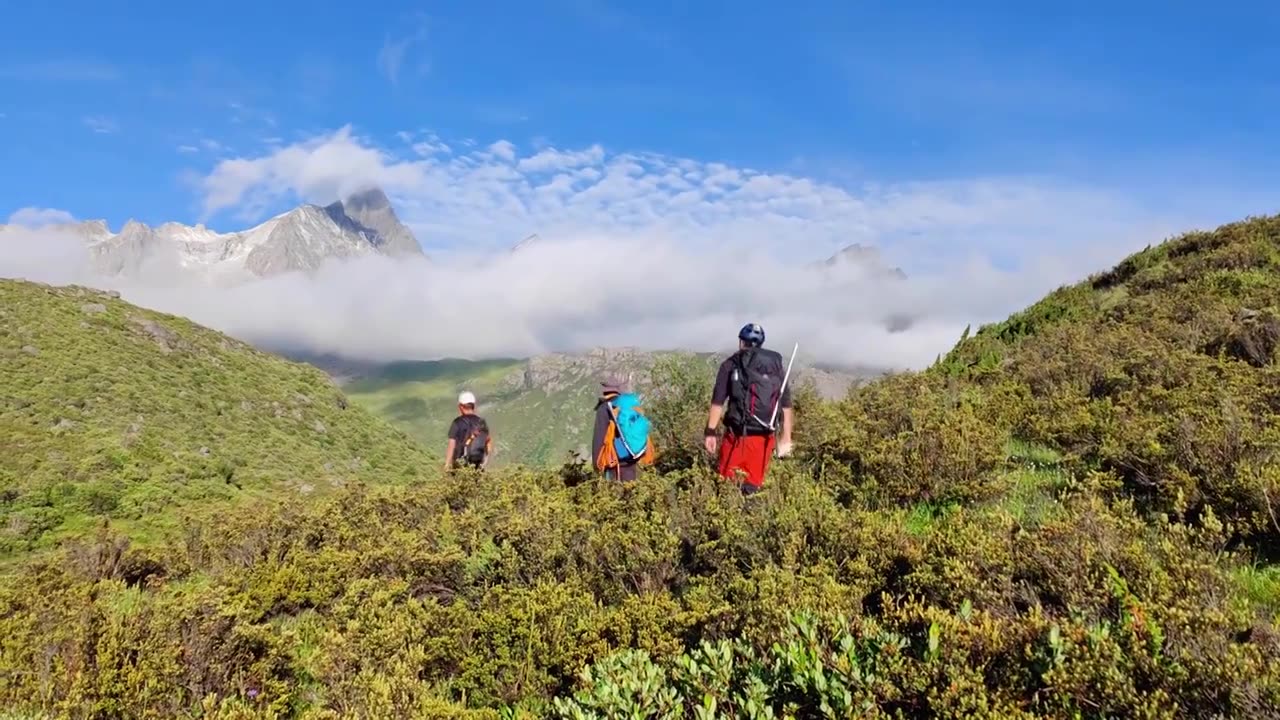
<point x="749" y="455"/>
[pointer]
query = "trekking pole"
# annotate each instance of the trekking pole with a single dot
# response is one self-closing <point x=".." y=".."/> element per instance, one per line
<point x="781" y="390"/>
<point x="773" y="418"/>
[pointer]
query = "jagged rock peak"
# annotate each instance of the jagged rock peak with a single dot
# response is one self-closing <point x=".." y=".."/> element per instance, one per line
<point x="369" y="199"/>
<point x="132" y="226"/>
<point x="300" y="239"/>
<point x="864" y="256"/>
<point x="371" y="209"/>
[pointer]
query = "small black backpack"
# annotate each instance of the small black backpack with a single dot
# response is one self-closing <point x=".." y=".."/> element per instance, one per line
<point x="476" y="445"/>
<point x="755" y="389"/>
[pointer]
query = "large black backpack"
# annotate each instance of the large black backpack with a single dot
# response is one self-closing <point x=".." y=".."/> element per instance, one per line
<point x="755" y="389"/>
<point x="475" y="444"/>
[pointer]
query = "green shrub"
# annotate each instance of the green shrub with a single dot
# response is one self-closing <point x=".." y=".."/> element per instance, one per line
<point x="907" y="439"/>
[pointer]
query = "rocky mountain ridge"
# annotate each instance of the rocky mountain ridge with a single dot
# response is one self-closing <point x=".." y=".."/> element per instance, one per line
<point x="298" y="240"/>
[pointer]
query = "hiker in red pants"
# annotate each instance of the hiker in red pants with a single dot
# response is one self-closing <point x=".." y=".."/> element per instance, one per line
<point x="752" y="383"/>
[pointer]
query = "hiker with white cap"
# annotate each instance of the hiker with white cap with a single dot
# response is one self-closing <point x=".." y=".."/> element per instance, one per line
<point x="469" y="439"/>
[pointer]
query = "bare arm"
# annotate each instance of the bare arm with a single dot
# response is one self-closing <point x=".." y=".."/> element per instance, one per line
<point x="788" y="418"/>
<point x="709" y="440"/>
<point x="713" y="417"/>
<point x="448" y="453"/>
<point x="719" y="396"/>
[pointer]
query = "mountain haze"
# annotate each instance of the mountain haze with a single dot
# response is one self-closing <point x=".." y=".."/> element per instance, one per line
<point x="864" y="257"/>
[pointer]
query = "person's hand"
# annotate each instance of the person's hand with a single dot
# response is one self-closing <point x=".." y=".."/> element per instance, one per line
<point x="784" y="448"/>
<point x="709" y="442"/>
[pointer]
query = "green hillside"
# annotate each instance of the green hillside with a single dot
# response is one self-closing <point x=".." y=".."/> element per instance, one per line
<point x="1071" y="515"/>
<point x="1161" y="372"/>
<point x="109" y="411"/>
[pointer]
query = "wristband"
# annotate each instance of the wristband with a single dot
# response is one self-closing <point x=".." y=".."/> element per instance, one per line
<point x="709" y="432"/>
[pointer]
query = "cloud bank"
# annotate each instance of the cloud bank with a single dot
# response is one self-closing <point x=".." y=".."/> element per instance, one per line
<point x="634" y="249"/>
<point x="34" y="217"/>
<point x="465" y="197"/>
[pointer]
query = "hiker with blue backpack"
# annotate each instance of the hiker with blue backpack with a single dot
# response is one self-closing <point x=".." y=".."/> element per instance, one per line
<point x="620" y="443"/>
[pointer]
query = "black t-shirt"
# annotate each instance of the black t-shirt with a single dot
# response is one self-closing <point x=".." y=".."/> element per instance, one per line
<point x="461" y="429"/>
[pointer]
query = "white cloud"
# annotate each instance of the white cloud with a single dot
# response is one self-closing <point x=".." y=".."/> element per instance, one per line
<point x="654" y="251"/>
<point x="394" y="51"/>
<point x="101" y="125"/>
<point x="33" y="217"/>
<point x="426" y="146"/>
<point x="551" y="159"/>
<point x="202" y="145"/>
<point x="43" y="253"/>
<point x="573" y="294"/>
<point x="491" y="196"/>
<point x="503" y="150"/>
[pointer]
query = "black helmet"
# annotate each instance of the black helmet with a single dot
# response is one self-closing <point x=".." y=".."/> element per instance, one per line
<point x="752" y="334"/>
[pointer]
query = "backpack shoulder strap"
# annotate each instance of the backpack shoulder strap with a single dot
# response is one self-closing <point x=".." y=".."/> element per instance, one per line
<point x="475" y="425"/>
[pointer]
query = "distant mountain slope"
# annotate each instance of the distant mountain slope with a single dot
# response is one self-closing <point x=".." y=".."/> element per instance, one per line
<point x="540" y="409"/>
<point x="298" y="240"/>
<point x="110" y="410"/>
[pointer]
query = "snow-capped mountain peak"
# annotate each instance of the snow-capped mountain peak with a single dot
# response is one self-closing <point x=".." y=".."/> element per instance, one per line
<point x="300" y="239"/>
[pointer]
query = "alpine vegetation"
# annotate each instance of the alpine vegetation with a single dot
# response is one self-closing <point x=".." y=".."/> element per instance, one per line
<point x="1070" y="514"/>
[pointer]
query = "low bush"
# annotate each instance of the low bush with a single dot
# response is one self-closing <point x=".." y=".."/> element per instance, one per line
<point x="471" y="596"/>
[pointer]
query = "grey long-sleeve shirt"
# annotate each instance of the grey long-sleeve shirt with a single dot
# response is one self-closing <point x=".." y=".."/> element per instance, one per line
<point x="603" y="418"/>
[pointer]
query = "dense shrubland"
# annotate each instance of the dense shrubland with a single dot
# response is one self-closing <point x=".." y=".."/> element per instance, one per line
<point x="499" y="592"/>
<point x="1070" y="515"/>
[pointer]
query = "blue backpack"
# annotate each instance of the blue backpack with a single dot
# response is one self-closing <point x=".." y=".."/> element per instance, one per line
<point x="632" y="438"/>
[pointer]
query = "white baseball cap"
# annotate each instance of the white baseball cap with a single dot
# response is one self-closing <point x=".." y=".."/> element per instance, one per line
<point x="466" y="398"/>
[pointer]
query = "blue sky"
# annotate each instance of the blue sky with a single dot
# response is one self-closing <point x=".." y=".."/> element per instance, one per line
<point x="1169" y="108"/>
<point x="992" y="150"/>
